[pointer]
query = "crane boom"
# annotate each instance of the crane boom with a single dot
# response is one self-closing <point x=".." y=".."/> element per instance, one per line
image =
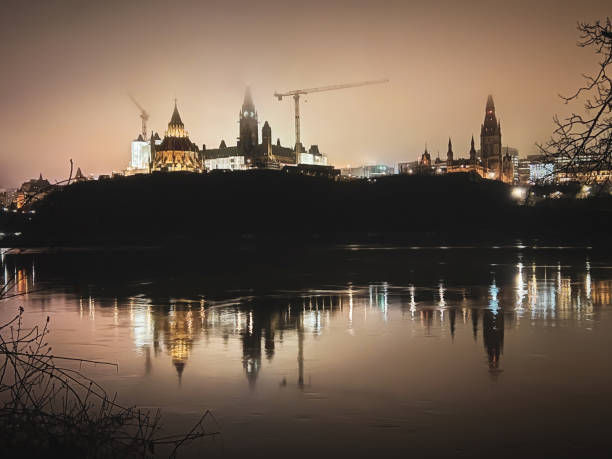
<point x="296" y="93"/>
<point x="329" y="88"/>
<point x="144" y="116"/>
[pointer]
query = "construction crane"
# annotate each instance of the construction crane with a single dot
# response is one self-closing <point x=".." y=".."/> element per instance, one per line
<point x="298" y="92"/>
<point x="144" y="116"/>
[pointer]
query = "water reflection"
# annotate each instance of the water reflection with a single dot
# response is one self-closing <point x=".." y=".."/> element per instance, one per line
<point x="259" y="324"/>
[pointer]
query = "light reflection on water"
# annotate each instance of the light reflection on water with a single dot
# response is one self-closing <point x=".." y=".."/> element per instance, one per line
<point x="333" y="341"/>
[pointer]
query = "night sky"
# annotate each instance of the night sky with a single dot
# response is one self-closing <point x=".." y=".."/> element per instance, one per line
<point x="67" y="68"/>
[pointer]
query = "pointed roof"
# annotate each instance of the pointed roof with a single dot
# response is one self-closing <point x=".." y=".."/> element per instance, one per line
<point x="247" y="104"/>
<point x="490" y="121"/>
<point x="266" y="129"/>
<point x="222" y="144"/>
<point x="450" y="145"/>
<point x="176" y="118"/>
<point x="79" y="174"/>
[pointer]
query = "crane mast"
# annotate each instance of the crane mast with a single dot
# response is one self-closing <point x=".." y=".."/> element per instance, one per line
<point x="144" y="116"/>
<point x="296" y="98"/>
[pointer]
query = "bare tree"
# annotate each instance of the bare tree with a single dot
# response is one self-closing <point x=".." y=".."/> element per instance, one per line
<point x="581" y="145"/>
<point x="48" y="406"/>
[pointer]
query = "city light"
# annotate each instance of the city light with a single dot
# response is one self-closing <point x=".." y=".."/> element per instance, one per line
<point x="519" y="192"/>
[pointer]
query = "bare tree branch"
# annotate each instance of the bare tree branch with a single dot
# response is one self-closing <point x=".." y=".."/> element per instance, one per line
<point x="581" y="144"/>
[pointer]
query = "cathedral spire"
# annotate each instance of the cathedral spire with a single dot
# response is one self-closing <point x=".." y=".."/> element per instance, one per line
<point x="472" y="151"/>
<point x="449" y="153"/>
<point x="490" y="125"/>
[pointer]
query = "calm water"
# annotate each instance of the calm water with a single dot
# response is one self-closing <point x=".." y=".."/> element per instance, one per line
<point x="345" y="351"/>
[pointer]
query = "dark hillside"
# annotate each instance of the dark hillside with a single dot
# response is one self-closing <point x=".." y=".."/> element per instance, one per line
<point x="202" y="208"/>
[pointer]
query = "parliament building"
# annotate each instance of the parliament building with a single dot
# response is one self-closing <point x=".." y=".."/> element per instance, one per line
<point x="490" y="162"/>
<point x="249" y="152"/>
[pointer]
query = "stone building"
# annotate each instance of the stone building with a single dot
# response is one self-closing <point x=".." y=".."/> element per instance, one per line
<point x="497" y="165"/>
<point x="175" y="152"/>
<point x="248" y="152"/>
<point x="471" y="164"/>
<point x="33" y="190"/>
<point x="491" y="161"/>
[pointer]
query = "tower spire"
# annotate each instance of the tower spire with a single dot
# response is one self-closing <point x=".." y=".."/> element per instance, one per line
<point x="249" y="132"/>
<point x="472" y="151"/>
<point x="247" y="104"/>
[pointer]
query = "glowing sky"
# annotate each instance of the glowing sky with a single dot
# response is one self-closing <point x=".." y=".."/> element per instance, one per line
<point x="68" y="66"/>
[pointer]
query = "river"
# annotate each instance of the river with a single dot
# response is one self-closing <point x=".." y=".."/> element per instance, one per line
<point x="348" y="350"/>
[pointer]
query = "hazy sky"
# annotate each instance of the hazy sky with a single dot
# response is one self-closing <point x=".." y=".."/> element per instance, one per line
<point x="67" y="67"/>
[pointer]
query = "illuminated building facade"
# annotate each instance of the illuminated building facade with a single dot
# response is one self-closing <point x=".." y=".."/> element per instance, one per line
<point x="140" y="158"/>
<point x="313" y="157"/>
<point x="33" y="190"/>
<point x="540" y="170"/>
<point x="176" y="152"/>
<point x="378" y="170"/>
<point x="7" y="197"/>
<point x="584" y="168"/>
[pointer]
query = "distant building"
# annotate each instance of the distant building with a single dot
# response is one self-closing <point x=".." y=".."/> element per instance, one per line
<point x="313" y="157"/>
<point x="464" y="165"/>
<point x="79" y="177"/>
<point x="7" y="197"/>
<point x="540" y="169"/>
<point x="513" y="153"/>
<point x="491" y="161"/>
<point x="497" y="165"/>
<point x="584" y="168"/>
<point x="33" y="190"/>
<point x="490" y="140"/>
<point x="176" y="152"/>
<point x="367" y="171"/>
<point x="140" y="159"/>
<point x="524" y="171"/>
<point x="407" y="168"/>
<point x="313" y="170"/>
<point x="249" y="152"/>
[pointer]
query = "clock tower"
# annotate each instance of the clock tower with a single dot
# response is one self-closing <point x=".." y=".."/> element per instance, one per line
<point x="249" y="132"/>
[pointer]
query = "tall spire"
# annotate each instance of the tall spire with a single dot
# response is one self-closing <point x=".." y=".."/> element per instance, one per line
<point x="247" y="104"/>
<point x="490" y="124"/>
<point x="472" y="151"/>
<point x="449" y="154"/>
<point x="249" y="132"/>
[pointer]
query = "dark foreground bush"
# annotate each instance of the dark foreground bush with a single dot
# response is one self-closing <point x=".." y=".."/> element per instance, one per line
<point x="49" y="409"/>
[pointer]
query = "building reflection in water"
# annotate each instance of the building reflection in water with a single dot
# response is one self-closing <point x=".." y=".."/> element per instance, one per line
<point x="550" y="293"/>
